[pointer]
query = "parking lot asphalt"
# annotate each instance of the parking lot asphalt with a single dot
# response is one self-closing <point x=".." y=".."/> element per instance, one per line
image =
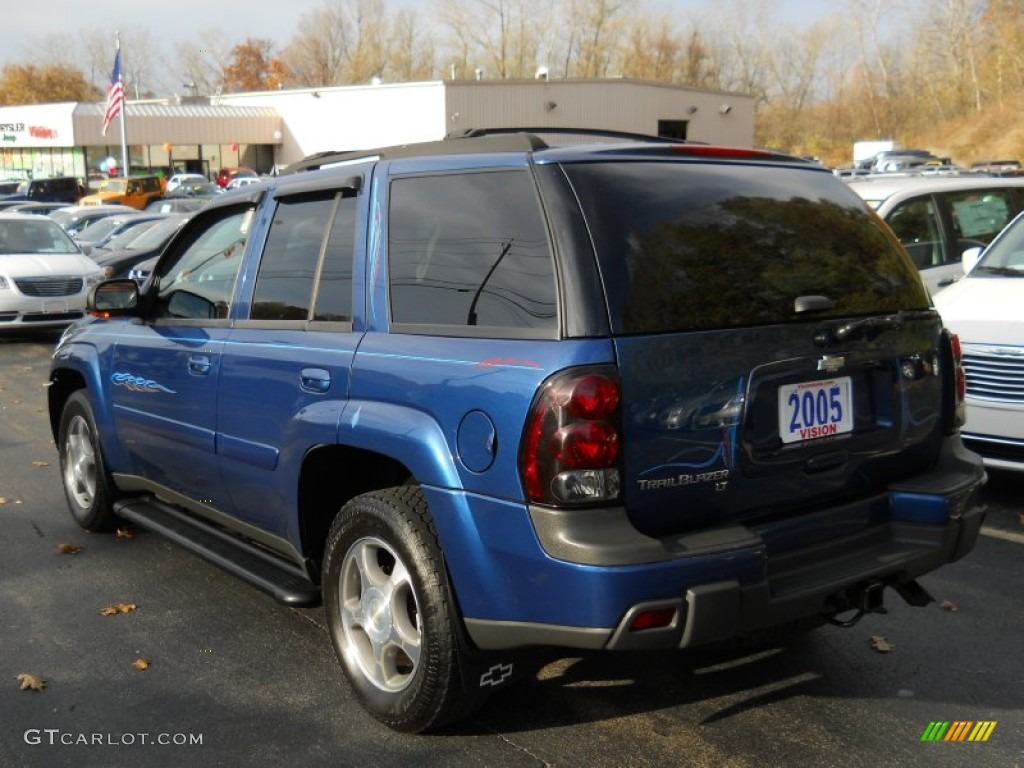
<point x="234" y="679"/>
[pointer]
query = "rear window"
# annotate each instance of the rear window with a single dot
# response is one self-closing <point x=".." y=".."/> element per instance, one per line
<point x="696" y="247"/>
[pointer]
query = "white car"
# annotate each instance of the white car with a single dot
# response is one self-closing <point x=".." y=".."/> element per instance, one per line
<point x="984" y="310"/>
<point x="242" y="181"/>
<point x="179" y="179"/>
<point x="44" y="277"/>
<point x="937" y="218"/>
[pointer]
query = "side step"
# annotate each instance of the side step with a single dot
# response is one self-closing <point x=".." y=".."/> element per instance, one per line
<point x="286" y="584"/>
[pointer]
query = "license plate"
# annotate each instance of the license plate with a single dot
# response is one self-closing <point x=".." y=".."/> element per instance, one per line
<point x="55" y="307"/>
<point x="814" y="409"/>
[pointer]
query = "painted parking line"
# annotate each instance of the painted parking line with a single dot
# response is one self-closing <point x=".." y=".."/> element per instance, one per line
<point x="998" y="533"/>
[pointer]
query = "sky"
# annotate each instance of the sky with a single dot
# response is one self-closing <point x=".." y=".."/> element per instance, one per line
<point x="176" y="20"/>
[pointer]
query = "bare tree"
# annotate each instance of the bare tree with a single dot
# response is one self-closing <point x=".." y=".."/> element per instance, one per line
<point x="343" y="41"/>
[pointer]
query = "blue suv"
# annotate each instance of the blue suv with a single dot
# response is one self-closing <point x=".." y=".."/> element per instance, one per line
<point x="492" y="393"/>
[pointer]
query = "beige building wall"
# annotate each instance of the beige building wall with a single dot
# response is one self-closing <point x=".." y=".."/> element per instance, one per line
<point x="622" y="105"/>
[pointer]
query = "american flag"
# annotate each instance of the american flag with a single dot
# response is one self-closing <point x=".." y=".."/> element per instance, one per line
<point x="115" y="94"/>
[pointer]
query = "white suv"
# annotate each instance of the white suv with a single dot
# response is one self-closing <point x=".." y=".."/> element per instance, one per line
<point x="937" y="218"/>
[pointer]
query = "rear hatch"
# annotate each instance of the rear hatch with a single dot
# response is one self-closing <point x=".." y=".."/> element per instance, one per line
<point x="776" y="347"/>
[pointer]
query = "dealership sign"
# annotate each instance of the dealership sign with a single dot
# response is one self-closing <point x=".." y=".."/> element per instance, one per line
<point x="45" y="125"/>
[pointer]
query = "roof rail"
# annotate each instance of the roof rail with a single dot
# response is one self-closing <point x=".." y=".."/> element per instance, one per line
<point x="472" y="133"/>
<point x="510" y="142"/>
<point x="470" y="140"/>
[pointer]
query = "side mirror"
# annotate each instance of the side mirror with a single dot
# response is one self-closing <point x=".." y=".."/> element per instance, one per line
<point x="114" y="298"/>
<point x="969" y="258"/>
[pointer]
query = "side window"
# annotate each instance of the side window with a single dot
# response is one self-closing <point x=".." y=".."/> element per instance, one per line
<point x="470" y="249"/>
<point x="198" y="285"/>
<point x="978" y="216"/>
<point x="284" y="283"/>
<point x="916" y="224"/>
<point x="334" y="294"/>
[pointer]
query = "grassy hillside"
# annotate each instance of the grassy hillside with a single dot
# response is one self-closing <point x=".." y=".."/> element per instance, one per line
<point x="995" y="133"/>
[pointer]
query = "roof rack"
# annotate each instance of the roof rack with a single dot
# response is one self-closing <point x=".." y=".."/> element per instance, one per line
<point x="469" y="140"/>
<point x="472" y="133"/>
<point x="515" y="142"/>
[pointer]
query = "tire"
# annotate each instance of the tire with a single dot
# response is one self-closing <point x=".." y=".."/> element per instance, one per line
<point x="87" y="486"/>
<point x="391" y="614"/>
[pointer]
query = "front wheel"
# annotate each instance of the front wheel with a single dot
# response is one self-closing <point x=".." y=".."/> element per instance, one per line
<point x="87" y="485"/>
<point x="390" y="611"/>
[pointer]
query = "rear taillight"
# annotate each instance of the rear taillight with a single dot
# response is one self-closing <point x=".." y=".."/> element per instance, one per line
<point x="572" y="443"/>
<point x="960" y="382"/>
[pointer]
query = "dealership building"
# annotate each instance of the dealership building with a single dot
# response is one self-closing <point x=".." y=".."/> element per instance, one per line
<point x="264" y="130"/>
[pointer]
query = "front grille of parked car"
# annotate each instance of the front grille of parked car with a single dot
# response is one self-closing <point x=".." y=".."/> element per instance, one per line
<point x="49" y="286"/>
<point x="996" y="448"/>
<point x="994" y="373"/>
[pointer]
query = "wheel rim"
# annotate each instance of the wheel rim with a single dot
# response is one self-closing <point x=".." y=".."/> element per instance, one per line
<point x="379" y="615"/>
<point x="80" y="463"/>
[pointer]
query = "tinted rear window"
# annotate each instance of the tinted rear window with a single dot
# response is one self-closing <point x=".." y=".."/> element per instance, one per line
<point x="692" y="247"/>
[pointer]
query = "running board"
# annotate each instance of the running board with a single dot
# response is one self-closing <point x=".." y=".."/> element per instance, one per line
<point x="283" y="582"/>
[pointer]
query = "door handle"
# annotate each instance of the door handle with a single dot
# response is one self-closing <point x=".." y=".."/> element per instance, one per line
<point x="315" y="380"/>
<point x="199" y="365"/>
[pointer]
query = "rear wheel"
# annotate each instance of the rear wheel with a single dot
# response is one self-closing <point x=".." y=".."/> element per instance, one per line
<point x="390" y="611"/>
<point x="87" y="485"/>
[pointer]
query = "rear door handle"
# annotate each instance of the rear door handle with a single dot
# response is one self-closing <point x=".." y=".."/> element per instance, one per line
<point x="315" y="380"/>
<point x="199" y="365"/>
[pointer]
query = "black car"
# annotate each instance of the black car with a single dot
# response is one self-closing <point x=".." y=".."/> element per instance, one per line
<point x="60" y="189"/>
<point x="117" y="262"/>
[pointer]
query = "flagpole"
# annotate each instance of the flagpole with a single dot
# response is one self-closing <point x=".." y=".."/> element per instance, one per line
<point x="124" y="106"/>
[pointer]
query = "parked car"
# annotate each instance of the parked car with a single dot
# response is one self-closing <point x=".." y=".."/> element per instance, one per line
<point x="174" y="204"/>
<point x="60" y="189"/>
<point x="490" y="393"/>
<point x="76" y="218"/>
<point x="140" y="272"/>
<point x="133" y="191"/>
<point x="44" y="277"/>
<point x="998" y="167"/>
<point x="242" y="181"/>
<point x="937" y="218"/>
<point x="38" y="208"/>
<point x="984" y="310"/>
<point x="225" y="175"/>
<point x="117" y="259"/>
<point x="103" y="230"/>
<point x="178" y="179"/>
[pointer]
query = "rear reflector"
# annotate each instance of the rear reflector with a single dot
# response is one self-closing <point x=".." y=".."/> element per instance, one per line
<point x="656" y="619"/>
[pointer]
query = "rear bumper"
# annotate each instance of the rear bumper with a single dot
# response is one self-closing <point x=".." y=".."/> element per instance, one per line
<point x="594" y="573"/>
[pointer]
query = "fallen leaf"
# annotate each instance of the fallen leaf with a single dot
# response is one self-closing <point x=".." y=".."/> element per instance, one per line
<point x="124" y="533"/>
<point x="31" y="682"/>
<point x="949" y="605"/>
<point x="141" y="664"/>
<point x="69" y="549"/>
<point x="40" y="463"/>
<point x="116" y="608"/>
<point x="880" y="644"/>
